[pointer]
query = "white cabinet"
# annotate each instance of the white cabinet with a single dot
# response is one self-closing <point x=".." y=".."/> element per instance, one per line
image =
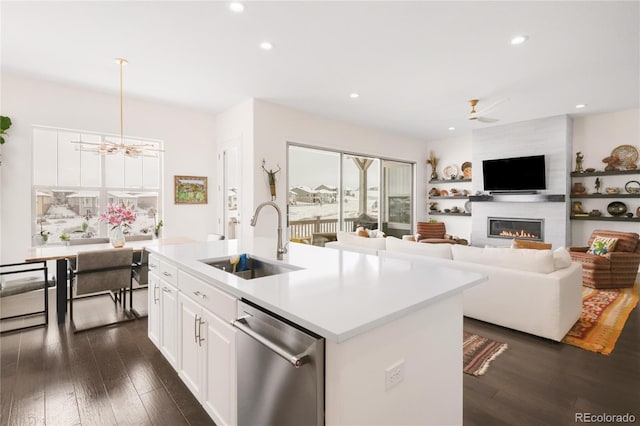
<point x="220" y="391"/>
<point x="206" y="345"/>
<point x="153" y="319"/>
<point x="163" y="308"/>
<point x="169" y="322"/>
<point x="190" y="344"/>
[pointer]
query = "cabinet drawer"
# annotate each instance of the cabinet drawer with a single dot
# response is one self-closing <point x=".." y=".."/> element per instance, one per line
<point x="216" y="301"/>
<point x="169" y="273"/>
<point x="154" y="264"/>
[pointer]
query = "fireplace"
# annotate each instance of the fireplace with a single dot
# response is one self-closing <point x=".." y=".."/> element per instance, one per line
<point x="526" y="229"/>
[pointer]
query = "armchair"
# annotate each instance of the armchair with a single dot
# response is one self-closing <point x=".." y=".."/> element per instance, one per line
<point x="435" y="233"/>
<point x="615" y="269"/>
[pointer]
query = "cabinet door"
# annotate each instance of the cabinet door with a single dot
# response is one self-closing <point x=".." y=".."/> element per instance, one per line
<point x="189" y="344"/>
<point x="169" y="323"/>
<point x="219" y="396"/>
<point x="153" y="320"/>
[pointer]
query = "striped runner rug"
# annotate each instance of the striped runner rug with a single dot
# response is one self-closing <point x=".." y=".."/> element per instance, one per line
<point x="478" y="352"/>
<point x="604" y="314"/>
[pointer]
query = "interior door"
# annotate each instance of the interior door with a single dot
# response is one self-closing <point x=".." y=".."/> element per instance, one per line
<point x="230" y="192"/>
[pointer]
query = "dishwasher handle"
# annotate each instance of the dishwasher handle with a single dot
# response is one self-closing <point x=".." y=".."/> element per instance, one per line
<point x="296" y="360"/>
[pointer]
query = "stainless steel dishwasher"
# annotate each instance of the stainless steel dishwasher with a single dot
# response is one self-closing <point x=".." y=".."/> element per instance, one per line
<point x="280" y="370"/>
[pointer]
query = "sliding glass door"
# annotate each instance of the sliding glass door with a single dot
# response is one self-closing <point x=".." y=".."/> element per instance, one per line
<point x="331" y="191"/>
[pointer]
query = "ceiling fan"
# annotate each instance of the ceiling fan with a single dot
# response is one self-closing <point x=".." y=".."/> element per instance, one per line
<point x="112" y="147"/>
<point x="481" y="115"/>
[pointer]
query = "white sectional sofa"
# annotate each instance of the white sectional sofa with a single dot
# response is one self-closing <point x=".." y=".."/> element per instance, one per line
<point x="535" y="291"/>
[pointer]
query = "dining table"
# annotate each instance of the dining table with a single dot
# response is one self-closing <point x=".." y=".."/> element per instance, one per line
<point x="60" y="254"/>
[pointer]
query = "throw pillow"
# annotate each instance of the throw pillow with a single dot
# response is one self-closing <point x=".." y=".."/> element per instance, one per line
<point x="442" y="251"/>
<point x="361" y="232"/>
<point x="602" y="245"/>
<point x="526" y="244"/>
<point x="561" y="258"/>
<point x="375" y="233"/>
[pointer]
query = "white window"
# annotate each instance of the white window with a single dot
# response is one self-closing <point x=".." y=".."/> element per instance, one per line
<point x="73" y="183"/>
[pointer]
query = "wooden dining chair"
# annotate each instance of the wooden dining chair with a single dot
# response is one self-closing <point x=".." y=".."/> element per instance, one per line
<point x="97" y="272"/>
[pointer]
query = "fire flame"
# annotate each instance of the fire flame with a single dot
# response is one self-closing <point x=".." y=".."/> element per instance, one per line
<point x="520" y="234"/>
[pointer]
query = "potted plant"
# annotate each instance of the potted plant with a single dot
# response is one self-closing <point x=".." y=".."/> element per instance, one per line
<point x="157" y="228"/>
<point x="65" y="238"/>
<point x="5" y="123"/>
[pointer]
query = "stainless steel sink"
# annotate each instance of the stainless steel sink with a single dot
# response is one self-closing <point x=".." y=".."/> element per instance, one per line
<point x="255" y="268"/>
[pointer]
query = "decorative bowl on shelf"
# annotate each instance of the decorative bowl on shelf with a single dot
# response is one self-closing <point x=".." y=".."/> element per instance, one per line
<point x="617" y="208"/>
<point x="632" y="187"/>
<point x="612" y="190"/>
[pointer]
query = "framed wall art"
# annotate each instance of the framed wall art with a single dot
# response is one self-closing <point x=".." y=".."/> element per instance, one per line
<point x="190" y="189"/>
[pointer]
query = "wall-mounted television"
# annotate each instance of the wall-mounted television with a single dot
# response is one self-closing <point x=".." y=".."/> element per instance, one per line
<point x="519" y="174"/>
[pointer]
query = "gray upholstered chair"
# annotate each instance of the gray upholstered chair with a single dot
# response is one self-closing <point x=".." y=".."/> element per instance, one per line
<point x="22" y="278"/>
<point x="141" y="237"/>
<point x="100" y="271"/>
<point x="139" y="273"/>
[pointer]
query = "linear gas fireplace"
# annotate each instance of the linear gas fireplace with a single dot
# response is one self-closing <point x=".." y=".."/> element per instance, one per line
<point x="527" y="229"/>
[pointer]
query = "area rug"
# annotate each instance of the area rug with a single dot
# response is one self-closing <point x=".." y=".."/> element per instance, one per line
<point x="604" y="313"/>
<point x="478" y="352"/>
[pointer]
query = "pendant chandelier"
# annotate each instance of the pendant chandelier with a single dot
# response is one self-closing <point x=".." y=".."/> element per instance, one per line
<point x="108" y="146"/>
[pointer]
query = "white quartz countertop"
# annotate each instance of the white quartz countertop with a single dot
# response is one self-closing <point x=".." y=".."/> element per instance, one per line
<point x="336" y="294"/>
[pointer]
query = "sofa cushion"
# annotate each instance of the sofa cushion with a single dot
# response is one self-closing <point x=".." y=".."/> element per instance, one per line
<point x="530" y="260"/>
<point x="348" y="238"/>
<point x="442" y="251"/>
<point x="526" y="244"/>
<point x="561" y="258"/>
<point x="602" y="245"/>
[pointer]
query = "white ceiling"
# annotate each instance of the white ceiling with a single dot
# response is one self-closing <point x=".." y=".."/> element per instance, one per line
<point x="414" y="64"/>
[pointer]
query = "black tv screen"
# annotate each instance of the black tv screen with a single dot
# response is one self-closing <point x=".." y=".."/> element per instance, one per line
<point x="514" y="174"/>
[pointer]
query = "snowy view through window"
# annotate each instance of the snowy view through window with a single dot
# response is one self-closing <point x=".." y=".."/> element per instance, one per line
<point x="315" y="199"/>
<point x="72" y="186"/>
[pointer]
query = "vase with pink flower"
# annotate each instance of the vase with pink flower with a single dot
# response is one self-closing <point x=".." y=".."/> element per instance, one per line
<point x="118" y="217"/>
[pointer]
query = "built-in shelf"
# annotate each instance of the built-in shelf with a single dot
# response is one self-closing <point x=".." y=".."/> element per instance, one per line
<point x="448" y="214"/>
<point x="517" y="198"/>
<point x="605" y="195"/>
<point x="449" y="180"/>
<point x="602" y="173"/>
<point x="445" y="197"/>
<point x="607" y="218"/>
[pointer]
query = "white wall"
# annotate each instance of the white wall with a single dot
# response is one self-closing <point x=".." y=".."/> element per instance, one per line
<point x="276" y="125"/>
<point x="596" y="136"/>
<point x="189" y="142"/>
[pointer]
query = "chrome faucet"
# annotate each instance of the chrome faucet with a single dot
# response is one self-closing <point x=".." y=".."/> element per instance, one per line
<point x="281" y="250"/>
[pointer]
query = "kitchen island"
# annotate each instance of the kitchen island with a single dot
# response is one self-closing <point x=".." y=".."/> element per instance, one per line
<point x="375" y="314"/>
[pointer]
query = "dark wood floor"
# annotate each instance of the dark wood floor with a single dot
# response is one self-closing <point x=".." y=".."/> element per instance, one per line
<point x="107" y="376"/>
<point x="116" y="376"/>
<point x="540" y="382"/>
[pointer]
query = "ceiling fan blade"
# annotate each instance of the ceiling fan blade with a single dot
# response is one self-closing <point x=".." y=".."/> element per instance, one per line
<point x="491" y="107"/>
<point x="487" y="120"/>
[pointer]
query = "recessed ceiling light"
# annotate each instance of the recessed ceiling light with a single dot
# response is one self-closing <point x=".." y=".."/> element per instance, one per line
<point x="452" y="128"/>
<point x="519" y="39"/>
<point x="354" y="95"/>
<point x="236" y="7"/>
<point x="581" y="105"/>
<point x="265" y="45"/>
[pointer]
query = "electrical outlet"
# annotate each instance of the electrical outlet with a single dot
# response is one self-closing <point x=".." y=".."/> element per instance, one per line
<point x="393" y="375"/>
